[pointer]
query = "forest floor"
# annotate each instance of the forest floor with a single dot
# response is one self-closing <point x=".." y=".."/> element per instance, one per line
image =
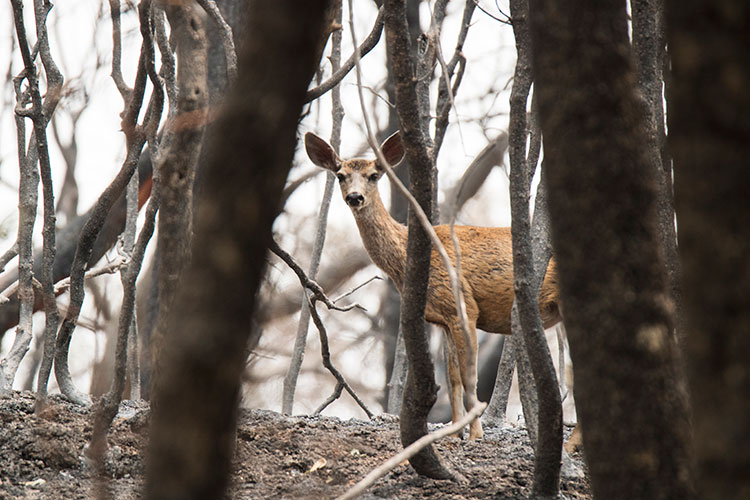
<point x="280" y="457"/>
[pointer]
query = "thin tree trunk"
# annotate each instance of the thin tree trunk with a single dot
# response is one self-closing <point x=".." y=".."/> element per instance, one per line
<point x="529" y="268"/>
<point x="178" y="161"/>
<point x="421" y="390"/>
<point x="395" y="363"/>
<point x="337" y="114"/>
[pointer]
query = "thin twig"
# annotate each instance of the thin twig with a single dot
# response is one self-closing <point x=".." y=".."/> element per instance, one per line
<point x="410" y="451"/>
<point x="109" y="268"/>
<point x="317" y="291"/>
<point x="330" y="399"/>
<point x="290" y="188"/>
<point x="445" y="90"/>
<point x="507" y="19"/>
<point x="351" y="291"/>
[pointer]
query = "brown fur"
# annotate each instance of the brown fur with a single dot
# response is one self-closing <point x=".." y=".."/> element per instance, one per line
<point x="486" y="266"/>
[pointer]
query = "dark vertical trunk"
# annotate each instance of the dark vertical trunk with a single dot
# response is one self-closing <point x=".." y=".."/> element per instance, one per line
<point x="389" y="310"/>
<point x="529" y="268"/>
<point x="205" y="352"/>
<point x="421" y="390"/>
<point x="709" y="131"/>
<point x="649" y="49"/>
<point x="603" y="193"/>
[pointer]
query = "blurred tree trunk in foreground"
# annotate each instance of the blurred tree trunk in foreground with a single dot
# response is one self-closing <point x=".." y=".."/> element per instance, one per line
<point x="602" y="197"/>
<point x="197" y="392"/>
<point x="709" y="136"/>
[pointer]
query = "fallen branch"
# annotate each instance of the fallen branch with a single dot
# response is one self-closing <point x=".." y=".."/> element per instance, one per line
<point x="410" y="451"/>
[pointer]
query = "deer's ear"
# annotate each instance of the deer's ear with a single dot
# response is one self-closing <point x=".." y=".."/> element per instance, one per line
<point x="393" y="149"/>
<point x="320" y="152"/>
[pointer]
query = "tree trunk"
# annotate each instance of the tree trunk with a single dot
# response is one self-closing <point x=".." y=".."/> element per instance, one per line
<point x="250" y="153"/>
<point x="420" y="391"/>
<point x="709" y="127"/>
<point x="389" y="309"/>
<point x="602" y="197"/>
<point x="529" y="268"/>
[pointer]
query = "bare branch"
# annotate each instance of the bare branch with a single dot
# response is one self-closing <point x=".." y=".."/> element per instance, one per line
<point x="122" y="87"/>
<point x="295" y="184"/>
<point x="367" y="45"/>
<point x="227" y="39"/>
<point x="326" y="354"/>
<point x="168" y="65"/>
<point x="446" y="92"/>
<point x="346" y="294"/>
<point x="135" y="138"/>
<point x="106" y="407"/>
<point x="52" y="98"/>
<point x="9" y="255"/>
<point x="507" y="19"/>
<point x="108" y="268"/>
<point x="40" y="112"/>
<point x="317" y="291"/>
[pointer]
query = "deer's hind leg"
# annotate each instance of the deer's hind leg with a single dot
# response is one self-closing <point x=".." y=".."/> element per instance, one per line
<point x="466" y="352"/>
<point x="454" y="376"/>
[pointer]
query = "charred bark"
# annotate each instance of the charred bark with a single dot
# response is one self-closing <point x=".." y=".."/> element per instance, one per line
<point x="709" y="126"/>
<point x="207" y="343"/>
<point x="603" y="193"/>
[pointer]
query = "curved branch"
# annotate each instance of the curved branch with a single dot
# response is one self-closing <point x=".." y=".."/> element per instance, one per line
<point x="227" y="38"/>
<point x="367" y="45"/>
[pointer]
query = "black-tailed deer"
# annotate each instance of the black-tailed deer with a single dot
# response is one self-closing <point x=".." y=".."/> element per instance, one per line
<point x="486" y="265"/>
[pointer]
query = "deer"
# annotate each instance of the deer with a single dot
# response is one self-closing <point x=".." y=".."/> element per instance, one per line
<point x="486" y="267"/>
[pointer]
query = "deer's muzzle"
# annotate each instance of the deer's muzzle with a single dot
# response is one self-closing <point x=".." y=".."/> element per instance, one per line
<point x="354" y="199"/>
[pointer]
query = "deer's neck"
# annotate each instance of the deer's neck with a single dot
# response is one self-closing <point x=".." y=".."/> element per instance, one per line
<point x="384" y="239"/>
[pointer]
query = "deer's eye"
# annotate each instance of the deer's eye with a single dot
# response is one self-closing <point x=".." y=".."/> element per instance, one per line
<point x="374" y="177"/>
<point x="340" y="177"/>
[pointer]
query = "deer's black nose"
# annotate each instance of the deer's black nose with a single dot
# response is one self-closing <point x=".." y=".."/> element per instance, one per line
<point x="354" y="199"/>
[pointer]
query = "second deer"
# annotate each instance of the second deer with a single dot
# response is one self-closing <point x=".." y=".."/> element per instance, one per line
<point x="486" y="265"/>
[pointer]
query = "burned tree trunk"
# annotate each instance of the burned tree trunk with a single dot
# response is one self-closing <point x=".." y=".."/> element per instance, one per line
<point x="602" y="197"/>
<point x="207" y="342"/>
<point x="709" y="126"/>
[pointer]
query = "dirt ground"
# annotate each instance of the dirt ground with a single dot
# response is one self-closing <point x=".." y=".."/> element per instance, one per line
<point x="280" y="457"/>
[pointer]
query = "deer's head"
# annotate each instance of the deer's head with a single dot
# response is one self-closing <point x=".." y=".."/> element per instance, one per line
<point x="358" y="178"/>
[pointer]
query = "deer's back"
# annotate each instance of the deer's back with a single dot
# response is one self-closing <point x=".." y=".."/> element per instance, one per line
<point x="487" y="275"/>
